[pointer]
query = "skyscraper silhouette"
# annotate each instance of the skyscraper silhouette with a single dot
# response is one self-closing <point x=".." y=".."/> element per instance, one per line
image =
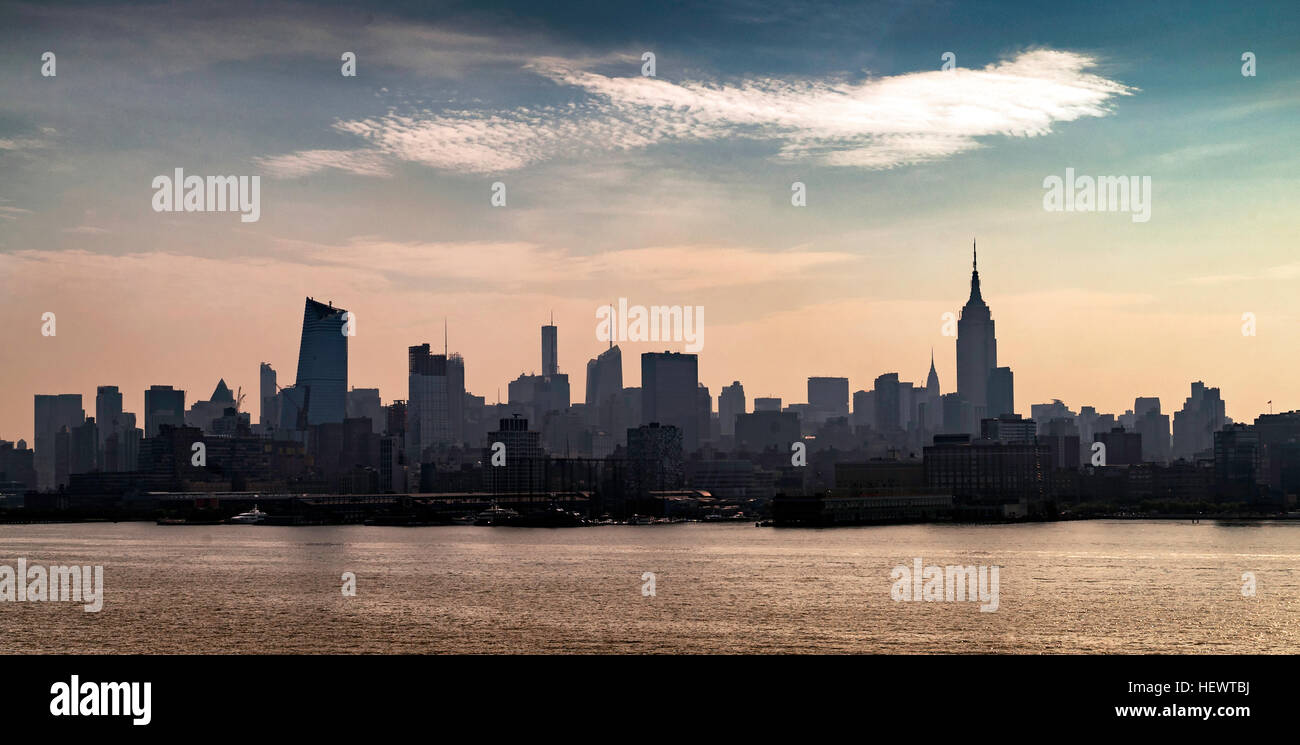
<point x="323" y="363"/>
<point x="550" y="349"/>
<point x="977" y="347"/>
<point x="605" y="389"/>
<point x="53" y="415"/>
<point x="670" y="393"/>
<point x="163" y="405"/>
<point x="435" y="401"/>
<point x="933" y="399"/>
<point x="267" y="415"/>
<point x="731" y="404"/>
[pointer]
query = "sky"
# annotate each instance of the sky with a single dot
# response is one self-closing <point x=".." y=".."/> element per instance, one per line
<point x="666" y="190"/>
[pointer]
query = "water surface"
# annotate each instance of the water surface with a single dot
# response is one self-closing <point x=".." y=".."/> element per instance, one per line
<point x="1110" y="587"/>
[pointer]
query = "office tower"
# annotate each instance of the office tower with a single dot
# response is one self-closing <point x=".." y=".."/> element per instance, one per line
<point x="267" y="414"/>
<point x="933" y="399"/>
<point x="54" y="414"/>
<point x="1142" y="405"/>
<point x="977" y="347"/>
<point x="958" y="417"/>
<point x="1001" y="395"/>
<point x="108" y="410"/>
<point x="669" y="393"/>
<point x="605" y="390"/>
<point x="390" y="467"/>
<point x="365" y="403"/>
<point x="1044" y="413"/>
<point x="17" y="466"/>
<point x="1239" y="463"/>
<point x="323" y="363"/>
<point x="704" y="413"/>
<point x="476" y="420"/>
<point x="1154" y="428"/>
<point x="1008" y="428"/>
<point x="764" y="403"/>
<point x="122" y="448"/>
<point x="1279" y="439"/>
<point x="550" y="349"/>
<point x="202" y="413"/>
<point x="1123" y="448"/>
<point x="523" y="470"/>
<point x="289" y="407"/>
<point x="536" y="396"/>
<point x="435" y="401"/>
<point x="829" y="397"/>
<point x="731" y="403"/>
<point x="864" y="409"/>
<point x="887" y="403"/>
<point x="807" y="420"/>
<point x="631" y="413"/>
<point x="456" y="395"/>
<point x="1195" y="424"/>
<point x="83" y="454"/>
<point x="1061" y="436"/>
<point x="63" y="456"/>
<point x="768" y="430"/>
<point x="397" y="419"/>
<point x="906" y="405"/>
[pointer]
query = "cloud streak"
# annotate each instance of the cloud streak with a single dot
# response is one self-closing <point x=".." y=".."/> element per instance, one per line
<point x="877" y="123"/>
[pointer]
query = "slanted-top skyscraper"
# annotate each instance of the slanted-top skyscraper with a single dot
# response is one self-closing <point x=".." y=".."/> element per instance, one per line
<point x="323" y="363"/>
<point x="977" y="347"/>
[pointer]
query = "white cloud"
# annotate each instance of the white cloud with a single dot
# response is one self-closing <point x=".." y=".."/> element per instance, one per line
<point x="876" y="123"/>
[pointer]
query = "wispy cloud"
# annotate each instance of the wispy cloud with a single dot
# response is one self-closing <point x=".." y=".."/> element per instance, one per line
<point x="1280" y="272"/>
<point x="305" y="162"/>
<point x="877" y="123"/>
<point x="671" y="268"/>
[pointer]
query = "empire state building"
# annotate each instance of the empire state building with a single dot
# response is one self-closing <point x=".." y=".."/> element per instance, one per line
<point x="977" y="348"/>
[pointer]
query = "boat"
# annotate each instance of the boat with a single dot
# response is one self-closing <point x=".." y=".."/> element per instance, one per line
<point x="252" y="517"/>
<point x="494" y="515"/>
<point x="551" y="517"/>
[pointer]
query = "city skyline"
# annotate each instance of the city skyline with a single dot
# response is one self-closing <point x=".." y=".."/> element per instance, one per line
<point x="377" y="197"/>
<point x="323" y="357"/>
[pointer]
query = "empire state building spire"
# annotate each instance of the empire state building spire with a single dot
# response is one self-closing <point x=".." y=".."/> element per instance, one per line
<point x="974" y="276"/>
